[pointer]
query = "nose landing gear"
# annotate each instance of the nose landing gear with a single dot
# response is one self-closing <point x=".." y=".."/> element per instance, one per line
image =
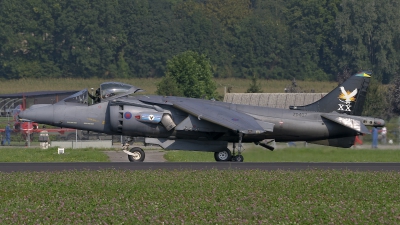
<point x="135" y="154"/>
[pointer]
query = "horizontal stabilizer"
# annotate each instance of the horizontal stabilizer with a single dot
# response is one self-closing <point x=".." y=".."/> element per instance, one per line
<point x="351" y="123"/>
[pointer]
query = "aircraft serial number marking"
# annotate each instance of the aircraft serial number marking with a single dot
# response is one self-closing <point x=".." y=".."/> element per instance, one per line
<point x="300" y="114"/>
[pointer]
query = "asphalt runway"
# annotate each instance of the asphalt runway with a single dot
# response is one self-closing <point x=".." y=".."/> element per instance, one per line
<point x="292" y="166"/>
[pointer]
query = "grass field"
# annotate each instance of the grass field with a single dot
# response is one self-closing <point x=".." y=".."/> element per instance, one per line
<point x="200" y="197"/>
<point x="296" y="154"/>
<point x="150" y="85"/>
<point x="251" y="154"/>
<point x="9" y="154"/>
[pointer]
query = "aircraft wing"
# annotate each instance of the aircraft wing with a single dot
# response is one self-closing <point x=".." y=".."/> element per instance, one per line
<point x="224" y="117"/>
<point x="351" y="123"/>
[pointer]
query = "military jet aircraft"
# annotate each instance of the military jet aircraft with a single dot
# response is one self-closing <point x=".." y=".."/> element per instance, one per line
<point x="181" y="123"/>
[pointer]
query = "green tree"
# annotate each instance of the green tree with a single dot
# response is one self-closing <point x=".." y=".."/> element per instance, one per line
<point x="26" y="41"/>
<point x="255" y="86"/>
<point x="169" y="87"/>
<point x="369" y="34"/>
<point x="123" y="67"/>
<point x="394" y="93"/>
<point x="259" y="47"/>
<point x="229" y="12"/>
<point x="203" y="33"/>
<point x="377" y="101"/>
<point x="311" y="53"/>
<point x="191" y="73"/>
<point x="154" y="35"/>
<point x="89" y="38"/>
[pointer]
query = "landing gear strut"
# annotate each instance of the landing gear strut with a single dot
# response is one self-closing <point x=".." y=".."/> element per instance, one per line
<point x="135" y="154"/>
<point x="226" y="155"/>
<point x="239" y="157"/>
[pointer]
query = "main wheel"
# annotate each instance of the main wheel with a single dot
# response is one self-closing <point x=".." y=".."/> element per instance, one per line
<point x="224" y="155"/>
<point x="137" y="155"/>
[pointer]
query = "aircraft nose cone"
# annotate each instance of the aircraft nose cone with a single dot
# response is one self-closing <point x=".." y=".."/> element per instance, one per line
<point x="27" y="114"/>
<point x="38" y="113"/>
<point x="21" y="115"/>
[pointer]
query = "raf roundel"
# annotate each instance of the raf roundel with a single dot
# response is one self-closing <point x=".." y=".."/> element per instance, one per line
<point x="128" y="115"/>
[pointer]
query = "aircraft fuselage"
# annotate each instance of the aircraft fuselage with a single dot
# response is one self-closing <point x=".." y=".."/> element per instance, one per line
<point x="289" y="125"/>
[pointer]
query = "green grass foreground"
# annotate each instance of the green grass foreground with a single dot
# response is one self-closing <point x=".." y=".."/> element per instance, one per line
<point x="251" y="154"/>
<point x="296" y="154"/>
<point x="51" y="155"/>
<point x="200" y="197"/>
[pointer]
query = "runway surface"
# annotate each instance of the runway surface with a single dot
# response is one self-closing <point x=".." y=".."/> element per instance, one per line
<point x="293" y="166"/>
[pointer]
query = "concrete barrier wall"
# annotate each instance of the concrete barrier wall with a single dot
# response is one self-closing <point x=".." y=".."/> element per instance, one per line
<point x="275" y="100"/>
<point x="61" y="144"/>
<point x="83" y="144"/>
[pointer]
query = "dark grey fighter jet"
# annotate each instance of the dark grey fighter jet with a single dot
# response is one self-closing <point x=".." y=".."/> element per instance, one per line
<point x="204" y="125"/>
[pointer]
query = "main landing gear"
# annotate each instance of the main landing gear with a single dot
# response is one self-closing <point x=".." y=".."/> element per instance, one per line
<point x="226" y="155"/>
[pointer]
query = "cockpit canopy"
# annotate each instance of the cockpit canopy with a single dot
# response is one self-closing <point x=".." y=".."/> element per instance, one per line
<point x="78" y="97"/>
<point x="108" y="90"/>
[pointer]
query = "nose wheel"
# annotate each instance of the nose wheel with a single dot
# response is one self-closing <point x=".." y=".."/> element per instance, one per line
<point x="135" y="154"/>
<point x="238" y="158"/>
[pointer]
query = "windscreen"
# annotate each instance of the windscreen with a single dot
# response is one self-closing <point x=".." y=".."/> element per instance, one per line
<point x="79" y="97"/>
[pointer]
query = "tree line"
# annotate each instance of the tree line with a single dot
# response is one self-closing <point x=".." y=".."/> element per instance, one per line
<point x="269" y="39"/>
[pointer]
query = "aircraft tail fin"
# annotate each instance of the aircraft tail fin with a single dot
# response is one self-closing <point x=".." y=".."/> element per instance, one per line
<point x="348" y="98"/>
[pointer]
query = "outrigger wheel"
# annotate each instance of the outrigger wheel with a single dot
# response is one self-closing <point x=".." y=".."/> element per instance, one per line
<point x="224" y="155"/>
<point x="136" y="155"/>
<point x="238" y="158"/>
